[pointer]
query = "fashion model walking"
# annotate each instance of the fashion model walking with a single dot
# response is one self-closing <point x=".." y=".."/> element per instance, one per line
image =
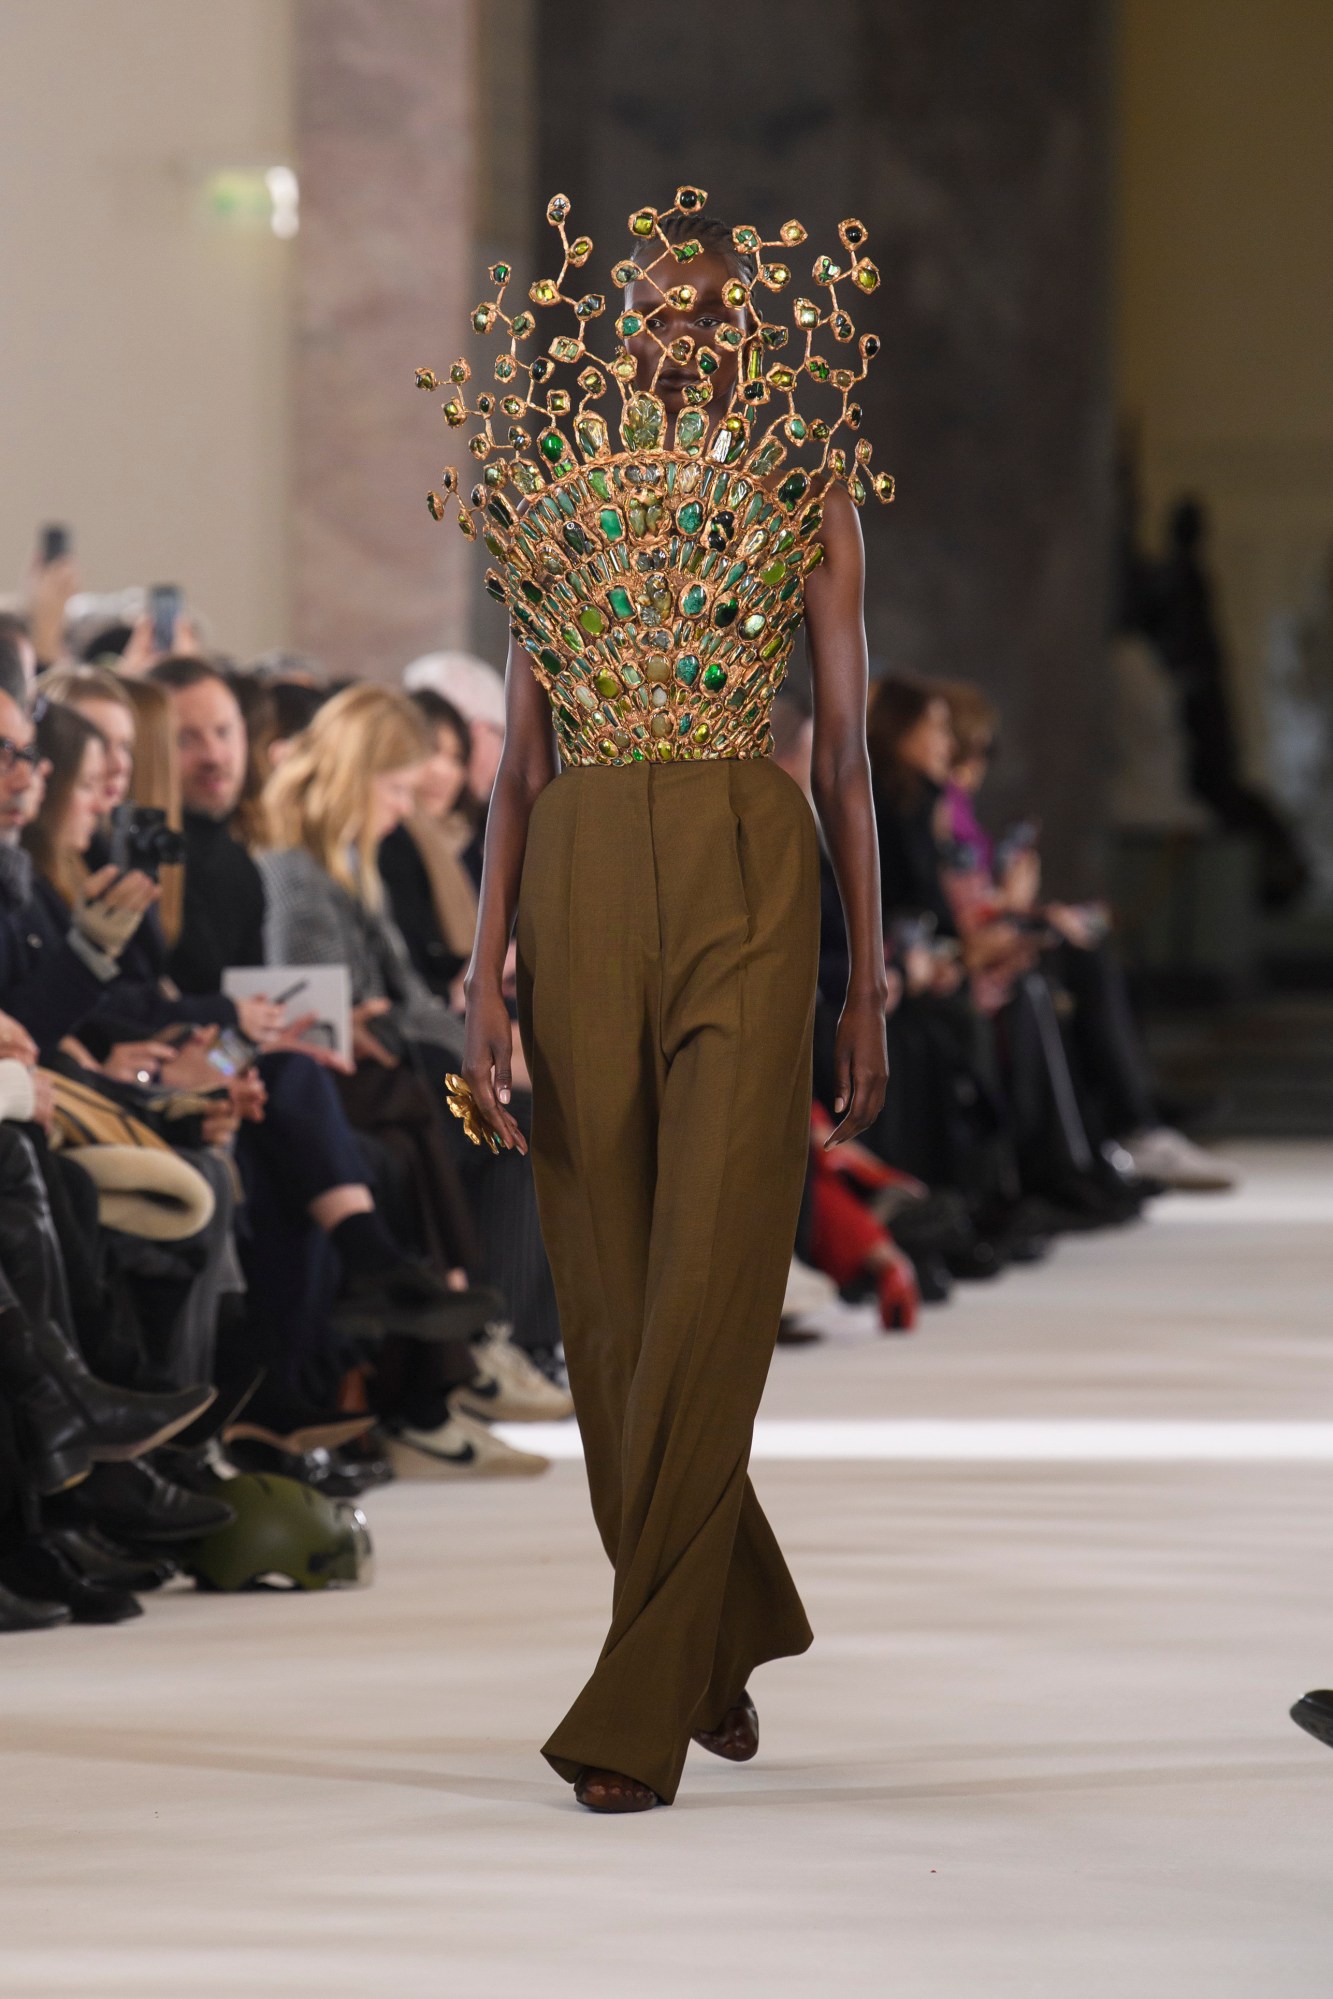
<point x="664" y="876"/>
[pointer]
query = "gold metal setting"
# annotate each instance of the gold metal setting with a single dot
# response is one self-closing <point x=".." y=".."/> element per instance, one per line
<point x="658" y="582"/>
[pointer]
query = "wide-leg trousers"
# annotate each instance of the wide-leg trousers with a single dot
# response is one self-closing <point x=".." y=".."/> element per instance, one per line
<point x="667" y="954"/>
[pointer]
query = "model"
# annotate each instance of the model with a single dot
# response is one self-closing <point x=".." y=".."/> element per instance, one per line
<point x="666" y="894"/>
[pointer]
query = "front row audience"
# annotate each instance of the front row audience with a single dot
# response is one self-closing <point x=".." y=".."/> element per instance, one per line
<point x="226" y="1245"/>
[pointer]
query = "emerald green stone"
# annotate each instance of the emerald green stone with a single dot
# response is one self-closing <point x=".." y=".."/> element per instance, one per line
<point x="773" y="575"/>
<point x="725" y="612"/>
<point x="796" y="428"/>
<point x="611" y="522"/>
<point x="495" y="588"/>
<point x="715" y="678"/>
<point x="687" y="668"/>
<point x="694" y="601"/>
<point x="818" y="368"/>
<point x="532" y="592"/>
<point x="690" y="429"/>
<point x="632" y="677"/>
<point x="496" y="546"/>
<point x="576" y="539"/>
<point x="753" y="625"/>
<point x="641" y="424"/>
<point x="684" y="727"/>
<point x="551" y="444"/>
<point x="594" y="623"/>
<point x="619" y="600"/>
<point x="756" y="510"/>
<point x="600" y="485"/>
<point x="793" y="489"/>
<point x="607" y="684"/>
<point x="690" y="517"/>
<point x="565" y="503"/>
<point x="785" y="541"/>
<point x="767" y="458"/>
<point x="789" y="589"/>
<point x="550" y="660"/>
<point x="572" y="639"/>
<point x="733" y="575"/>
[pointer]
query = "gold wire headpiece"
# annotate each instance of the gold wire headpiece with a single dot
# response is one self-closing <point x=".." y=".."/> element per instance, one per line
<point x="524" y="390"/>
<point x="657" y="582"/>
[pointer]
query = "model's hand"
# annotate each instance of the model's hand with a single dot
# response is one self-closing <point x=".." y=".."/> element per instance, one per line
<point x="860" y="1066"/>
<point x="487" y="1064"/>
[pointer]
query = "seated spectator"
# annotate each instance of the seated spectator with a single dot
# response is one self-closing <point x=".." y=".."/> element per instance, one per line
<point x="433" y="897"/>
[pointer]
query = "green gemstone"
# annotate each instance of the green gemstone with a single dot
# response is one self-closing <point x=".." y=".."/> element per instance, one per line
<point x="495" y="588"/>
<point x="690" y="517"/>
<point x="725" y="612"/>
<point x="691" y="427"/>
<point x="793" y="489"/>
<point x="789" y="589"/>
<point x="572" y="639"/>
<point x="687" y="668"/>
<point x="753" y="625"/>
<point x="694" y="601"/>
<point x="594" y="623"/>
<point x="632" y="677"/>
<point x="619" y="600"/>
<point x="641" y="423"/>
<point x="733" y="575"/>
<point x="532" y="592"/>
<point x="496" y="546"/>
<point x="500" y="511"/>
<point x="586" y="696"/>
<point x="550" y="660"/>
<point x="684" y="728"/>
<point x="607" y="684"/>
<point x="576" y="539"/>
<point x="796" y="428"/>
<point x="600" y="485"/>
<point x="715" y="678"/>
<point x="612" y="523"/>
<point x="591" y="434"/>
<point x="773" y="575"/>
<point x="551" y="444"/>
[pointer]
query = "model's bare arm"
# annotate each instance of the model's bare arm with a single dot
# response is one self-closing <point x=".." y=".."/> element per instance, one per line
<point x="840" y="777"/>
<point x="527" y="765"/>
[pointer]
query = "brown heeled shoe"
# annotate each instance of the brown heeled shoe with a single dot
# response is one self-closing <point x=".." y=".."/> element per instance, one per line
<point x="609" y="1791"/>
<point x="737" y="1736"/>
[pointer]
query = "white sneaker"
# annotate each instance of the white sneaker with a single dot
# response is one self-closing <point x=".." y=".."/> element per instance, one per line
<point x="460" y="1448"/>
<point x="1167" y="1155"/>
<point x="510" y="1388"/>
<point x="808" y="1290"/>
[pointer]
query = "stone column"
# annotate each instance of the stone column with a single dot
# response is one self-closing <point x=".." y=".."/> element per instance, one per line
<point x="974" y="143"/>
<point x="385" y="140"/>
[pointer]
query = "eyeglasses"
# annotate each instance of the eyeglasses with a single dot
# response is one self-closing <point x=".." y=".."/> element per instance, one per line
<point x="11" y="754"/>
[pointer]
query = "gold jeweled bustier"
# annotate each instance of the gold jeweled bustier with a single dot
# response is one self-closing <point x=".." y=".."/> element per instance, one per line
<point x="658" y="587"/>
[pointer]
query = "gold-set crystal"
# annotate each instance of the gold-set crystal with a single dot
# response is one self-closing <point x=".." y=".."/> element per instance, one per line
<point x="658" y="582"/>
<point x="464" y="1107"/>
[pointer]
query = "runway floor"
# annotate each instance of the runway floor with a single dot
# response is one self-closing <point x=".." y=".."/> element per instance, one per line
<point x="1040" y="1747"/>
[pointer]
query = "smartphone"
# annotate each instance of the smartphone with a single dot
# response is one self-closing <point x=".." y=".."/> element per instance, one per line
<point x="56" y="543"/>
<point x="164" y="608"/>
<point x="231" y="1054"/>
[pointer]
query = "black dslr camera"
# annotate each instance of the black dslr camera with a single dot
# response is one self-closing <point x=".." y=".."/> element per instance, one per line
<point x="142" y="841"/>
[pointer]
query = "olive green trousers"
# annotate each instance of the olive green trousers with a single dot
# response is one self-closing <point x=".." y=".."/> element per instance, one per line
<point x="668" y="936"/>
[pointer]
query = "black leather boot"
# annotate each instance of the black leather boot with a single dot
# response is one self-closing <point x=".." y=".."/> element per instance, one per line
<point x="22" y="1613"/>
<point x="70" y="1419"/>
<point x="38" y="1568"/>
<point x="136" y="1505"/>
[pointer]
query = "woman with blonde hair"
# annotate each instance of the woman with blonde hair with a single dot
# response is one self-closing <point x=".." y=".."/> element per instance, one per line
<point x="343" y="786"/>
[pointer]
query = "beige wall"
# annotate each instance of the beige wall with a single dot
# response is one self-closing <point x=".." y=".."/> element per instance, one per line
<point x="143" y="387"/>
<point x="1226" y="290"/>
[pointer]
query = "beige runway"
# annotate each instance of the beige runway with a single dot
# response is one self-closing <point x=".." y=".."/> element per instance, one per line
<point x="1040" y="1749"/>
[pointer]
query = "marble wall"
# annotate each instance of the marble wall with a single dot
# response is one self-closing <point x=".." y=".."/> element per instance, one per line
<point x="974" y="142"/>
<point x="386" y="138"/>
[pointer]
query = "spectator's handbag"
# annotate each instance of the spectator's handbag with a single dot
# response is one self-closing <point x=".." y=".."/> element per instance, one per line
<point x="144" y="1187"/>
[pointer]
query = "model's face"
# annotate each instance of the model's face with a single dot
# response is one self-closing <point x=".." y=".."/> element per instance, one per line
<point x="116" y="727"/>
<point x="441" y="778"/>
<point x="392" y="797"/>
<point x="83" y="808"/>
<point x="697" y="323"/>
<point x="927" y="747"/>
<point x="22" y="785"/>
<point x="210" y="738"/>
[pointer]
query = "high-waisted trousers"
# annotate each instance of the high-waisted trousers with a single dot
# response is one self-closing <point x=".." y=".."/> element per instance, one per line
<point x="667" y="954"/>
